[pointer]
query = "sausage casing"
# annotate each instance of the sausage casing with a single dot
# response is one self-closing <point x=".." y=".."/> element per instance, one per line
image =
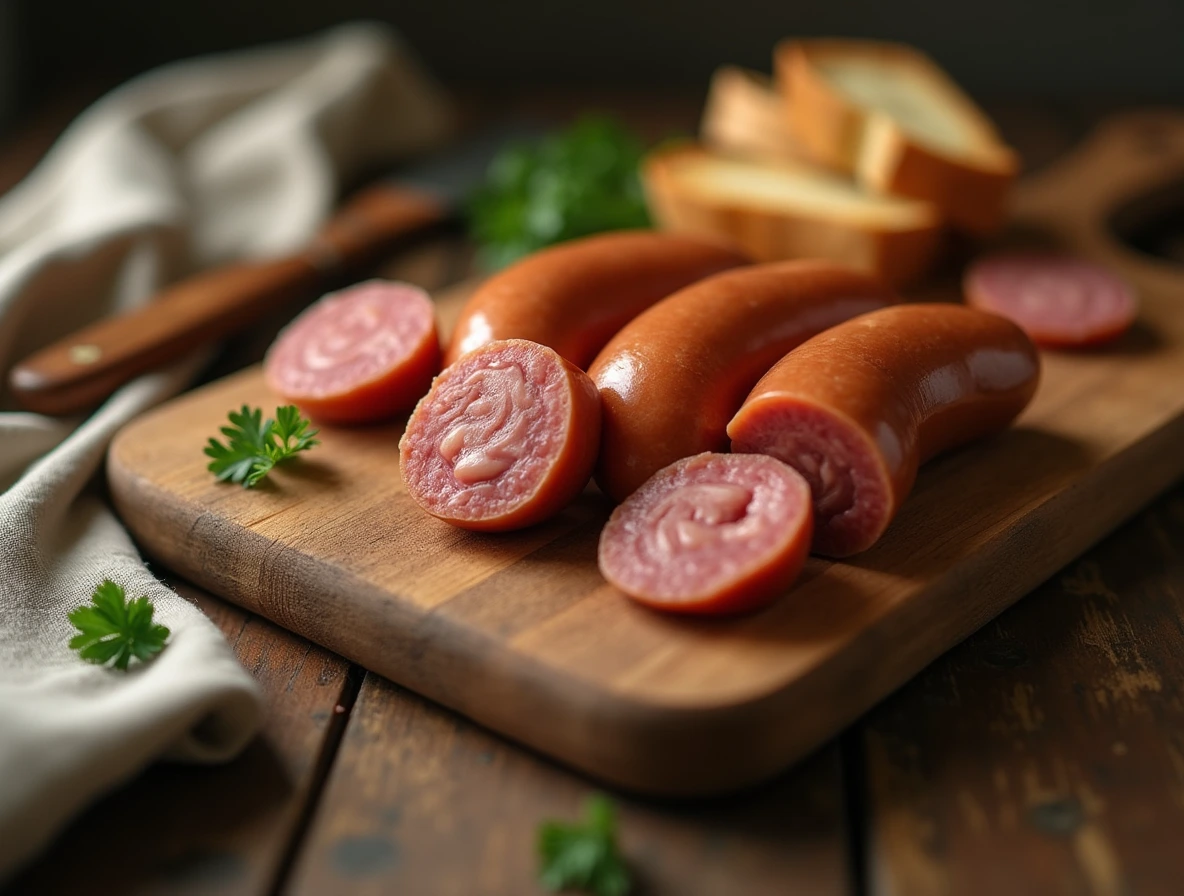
<point x="672" y="378"/>
<point x="573" y="297"/>
<point x="859" y="407"/>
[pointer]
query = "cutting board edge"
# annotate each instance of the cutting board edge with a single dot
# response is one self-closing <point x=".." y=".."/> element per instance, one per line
<point x="610" y="734"/>
<point x="1036" y="532"/>
<point x="617" y="736"/>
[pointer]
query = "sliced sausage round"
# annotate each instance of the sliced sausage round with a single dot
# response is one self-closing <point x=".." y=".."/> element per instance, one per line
<point x="1060" y="301"/>
<point x="505" y="438"/>
<point x="859" y="407"/>
<point x="358" y="355"/>
<point x="575" y="296"/>
<point x="672" y="378"/>
<point x="710" y="534"/>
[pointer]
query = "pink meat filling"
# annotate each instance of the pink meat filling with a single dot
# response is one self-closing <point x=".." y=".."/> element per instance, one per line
<point x="701" y="525"/>
<point x="485" y="438"/>
<point x="848" y="484"/>
<point x="350" y="337"/>
<point x="1061" y="293"/>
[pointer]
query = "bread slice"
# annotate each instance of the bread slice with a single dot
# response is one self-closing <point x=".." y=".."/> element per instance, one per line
<point x="790" y="210"/>
<point x="745" y="116"/>
<point x="888" y="115"/>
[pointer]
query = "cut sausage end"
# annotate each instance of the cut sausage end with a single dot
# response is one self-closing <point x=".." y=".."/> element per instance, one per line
<point x="1060" y="301"/>
<point x="710" y="534"/>
<point x="505" y="438"/>
<point x="850" y="490"/>
<point x="358" y="355"/>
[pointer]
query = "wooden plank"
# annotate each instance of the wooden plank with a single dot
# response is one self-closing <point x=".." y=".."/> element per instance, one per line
<point x="223" y="829"/>
<point x="520" y="633"/>
<point x="241" y="820"/>
<point x="1046" y="754"/>
<point x="1042" y="755"/>
<point x="422" y="801"/>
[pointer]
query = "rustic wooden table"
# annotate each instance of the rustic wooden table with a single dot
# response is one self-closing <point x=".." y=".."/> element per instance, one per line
<point x="1043" y="755"/>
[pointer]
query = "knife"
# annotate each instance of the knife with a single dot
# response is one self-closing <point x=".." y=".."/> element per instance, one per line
<point x="77" y="373"/>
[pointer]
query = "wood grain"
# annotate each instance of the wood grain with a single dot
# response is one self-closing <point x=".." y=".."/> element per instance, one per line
<point x="241" y="822"/>
<point x="520" y="633"/>
<point x="225" y="829"/>
<point x="421" y="801"/>
<point x="1046" y="754"/>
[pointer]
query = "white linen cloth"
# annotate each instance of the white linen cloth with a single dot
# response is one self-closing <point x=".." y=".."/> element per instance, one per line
<point x="188" y="166"/>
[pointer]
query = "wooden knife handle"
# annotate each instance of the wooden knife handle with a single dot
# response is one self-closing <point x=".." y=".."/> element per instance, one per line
<point x="77" y="373"/>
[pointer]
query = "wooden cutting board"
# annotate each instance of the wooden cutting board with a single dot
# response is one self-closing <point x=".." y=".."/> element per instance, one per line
<point x="520" y="632"/>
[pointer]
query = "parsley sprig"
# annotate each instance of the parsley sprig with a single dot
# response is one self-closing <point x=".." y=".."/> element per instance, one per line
<point x="584" y="856"/>
<point x="577" y="181"/>
<point x="254" y="445"/>
<point x="114" y="629"/>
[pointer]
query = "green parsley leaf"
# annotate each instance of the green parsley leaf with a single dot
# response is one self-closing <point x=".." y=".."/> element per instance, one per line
<point x="576" y="182"/>
<point x="254" y="445"/>
<point x="114" y="629"/>
<point x="584" y="856"/>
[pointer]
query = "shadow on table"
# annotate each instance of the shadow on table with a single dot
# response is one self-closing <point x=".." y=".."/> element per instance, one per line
<point x="184" y="826"/>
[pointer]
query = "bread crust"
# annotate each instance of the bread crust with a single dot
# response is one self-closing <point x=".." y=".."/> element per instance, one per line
<point x="900" y="256"/>
<point x="744" y="116"/>
<point x="840" y="133"/>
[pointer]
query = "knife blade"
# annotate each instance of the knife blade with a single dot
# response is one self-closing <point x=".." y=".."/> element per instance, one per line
<point x="78" y="372"/>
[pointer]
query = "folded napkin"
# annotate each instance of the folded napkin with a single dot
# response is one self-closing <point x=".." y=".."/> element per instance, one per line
<point x="194" y="164"/>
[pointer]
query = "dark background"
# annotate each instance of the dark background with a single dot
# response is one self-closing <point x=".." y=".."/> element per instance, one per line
<point x="1000" y="48"/>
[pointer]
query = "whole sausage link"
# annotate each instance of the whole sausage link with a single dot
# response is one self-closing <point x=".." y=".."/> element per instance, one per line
<point x="573" y="297"/>
<point x="671" y="379"/>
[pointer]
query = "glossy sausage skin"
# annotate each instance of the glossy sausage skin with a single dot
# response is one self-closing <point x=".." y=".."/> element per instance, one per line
<point x="672" y="378"/>
<point x="859" y="407"/>
<point x="505" y="438"/>
<point x="573" y="297"/>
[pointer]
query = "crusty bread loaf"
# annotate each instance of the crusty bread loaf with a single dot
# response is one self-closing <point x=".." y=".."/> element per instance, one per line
<point x="745" y="116"/>
<point x="790" y="210"/>
<point x="889" y="116"/>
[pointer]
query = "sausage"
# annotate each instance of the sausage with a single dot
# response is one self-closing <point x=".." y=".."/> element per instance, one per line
<point x="859" y="407"/>
<point x="672" y="378"/>
<point x="573" y="297"/>
<point x="505" y="438"/>
<point x="357" y="355"/>
<point x="710" y="534"/>
<point x="1059" y="300"/>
